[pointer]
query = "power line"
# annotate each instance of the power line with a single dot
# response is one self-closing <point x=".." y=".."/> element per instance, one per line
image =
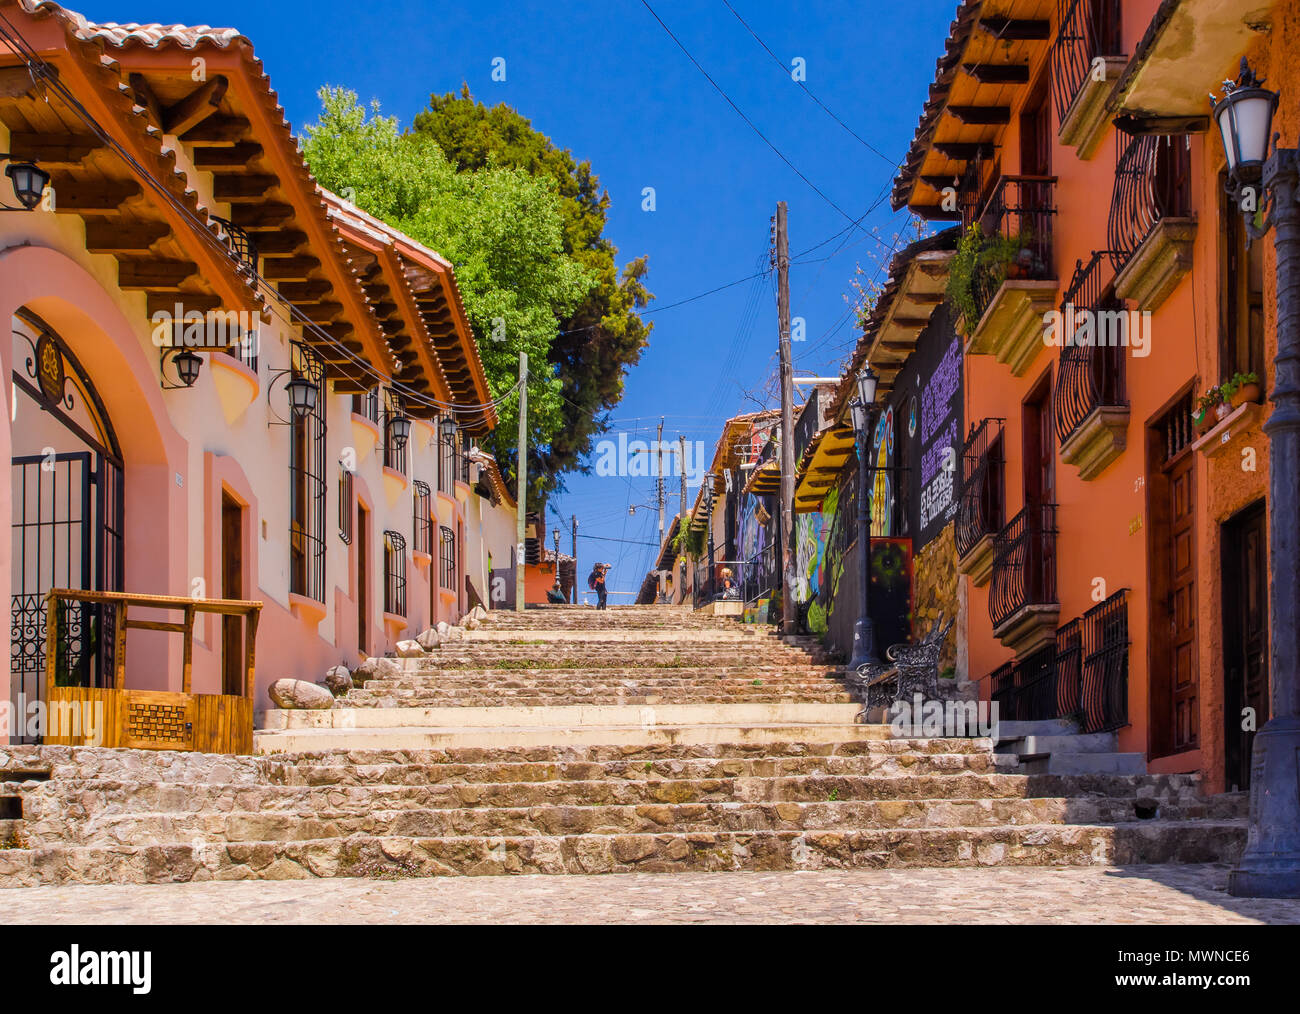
<point x="739" y="112"/>
<point x="807" y="91"/>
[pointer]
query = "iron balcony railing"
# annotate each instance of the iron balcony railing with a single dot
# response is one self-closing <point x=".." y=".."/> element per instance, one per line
<point x="1024" y="563"/>
<point x="422" y="519"/>
<point x="1083" y="675"/>
<point x="1091" y="374"/>
<point x="446" y="558"/>
<point x="239" y="242"/>
<point x="394" y="573"/>
<point x="1152" y="183"/>
<point x="981" y="507"/>
<point x="748" y="581"/>
<point x="1088" y="29"/>
<point x="808" y="424"/>
<point x="1020" y="208"/>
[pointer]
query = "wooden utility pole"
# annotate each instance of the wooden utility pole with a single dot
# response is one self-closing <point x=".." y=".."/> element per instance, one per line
<point x="521" y="483"/>
<point x="575" y="559"/>
<point x="659" y="497"/>
<point x="681" y="461"/>
<point x="787" y="421"/>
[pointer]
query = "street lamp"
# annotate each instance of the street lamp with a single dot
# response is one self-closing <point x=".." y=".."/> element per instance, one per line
<point x="555" y="534"/>
<point x="29" y="183"/>
<point x="399" y="429"/>
<point x="863" y="410"/>
<point x="1270" y="866"/>
<point x="187" y="364"/>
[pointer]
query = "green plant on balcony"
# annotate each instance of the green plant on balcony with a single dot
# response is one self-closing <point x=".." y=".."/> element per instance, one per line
<point x="689" y="541"/>
<point x="1241" y="388"/>
<point x="996" y="257"/>
<point x="1206" y="406"/>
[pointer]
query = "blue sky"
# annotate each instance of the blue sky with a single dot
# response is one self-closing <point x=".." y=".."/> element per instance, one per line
<point x="602" y="78"/>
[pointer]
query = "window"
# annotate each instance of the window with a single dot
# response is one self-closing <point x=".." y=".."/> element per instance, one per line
<point x="1241" y="298"/>
<point x="422" y="529"/>
<point x="394" y="574"/>
<point x="447" y="559"/>
<point x="367" y="405"/>
<point x="345" y="504"/>
<point x="307" y="484"/>
<point x="394" y="451"/>
<point x="447" y="462"/>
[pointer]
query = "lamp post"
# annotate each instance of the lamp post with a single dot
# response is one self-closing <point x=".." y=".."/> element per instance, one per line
<point x="863" y="410"/>
<point x="1270" y="866"/>
<point x="709" y="480"/>
<point x="555" y="535"/>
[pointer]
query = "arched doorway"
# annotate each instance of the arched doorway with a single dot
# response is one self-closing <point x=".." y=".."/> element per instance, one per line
<point x="67" y="506"/>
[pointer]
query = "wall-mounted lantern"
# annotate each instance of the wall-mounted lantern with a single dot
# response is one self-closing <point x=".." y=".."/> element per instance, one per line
<point x="29" y="181"/>
<point x="186" y="363"/>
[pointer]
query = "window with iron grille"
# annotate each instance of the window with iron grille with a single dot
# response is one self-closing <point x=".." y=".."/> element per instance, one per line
<point x="447" y="462"/>
<point x="447" y="559"/>
<point x="394" y="574"/>
<point x="422" y="529"/>
<point x="394" y="456"/>
<point x="307" y="486"/>
<point x="345" y="504"/>
<point x="367" y="405"/>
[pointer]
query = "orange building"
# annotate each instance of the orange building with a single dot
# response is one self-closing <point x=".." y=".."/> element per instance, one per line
<point x="1112" y="539"/>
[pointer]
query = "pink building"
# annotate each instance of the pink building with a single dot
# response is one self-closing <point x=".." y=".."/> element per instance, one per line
<point x="321" y="458"/>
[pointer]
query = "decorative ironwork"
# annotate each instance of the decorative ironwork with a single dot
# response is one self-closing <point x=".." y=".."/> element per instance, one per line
<point x="982" y="504"/>
<point x="1024" y="563"/>
<point x="1019" y="208"/>
<point x="367" y="405"/>
<point x="1088" y="29"/>
<point x="346" y="509"/>
<point x="422" y="520"/>
<point x="1082" y="676"/>
<point x="912" y="668"/>
<point x="808" y="424"/>
<point x="1152" y="183"/>
<point x="447" y="462"/>
<point x="447" y="558"/>
<point x="1091" y="375"/>
<point x="239" y="241"/>
<point x="244" y="350"/>
<point x="307" y="486"/>
<point x="395" y="456"/>
<point x="394" y="573"/>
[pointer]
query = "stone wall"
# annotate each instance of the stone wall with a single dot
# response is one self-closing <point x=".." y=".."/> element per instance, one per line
<point x="934" y="591"/>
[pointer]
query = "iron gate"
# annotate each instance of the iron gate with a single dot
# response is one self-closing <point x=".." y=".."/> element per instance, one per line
<point x="67" y="532"/>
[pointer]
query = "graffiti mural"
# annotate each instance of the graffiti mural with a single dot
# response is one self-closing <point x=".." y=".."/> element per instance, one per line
<point x="882" y="493"/>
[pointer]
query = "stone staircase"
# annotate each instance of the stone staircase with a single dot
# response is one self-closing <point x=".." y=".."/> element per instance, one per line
<point x="567" y="740"/>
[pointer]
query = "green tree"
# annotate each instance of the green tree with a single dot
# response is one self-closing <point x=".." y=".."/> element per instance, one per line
<point x="602" y="336"/>
<point x="501" y="227"/>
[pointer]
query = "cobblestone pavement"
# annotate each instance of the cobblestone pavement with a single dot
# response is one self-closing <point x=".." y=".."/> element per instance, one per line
<point x="1134" y="895"/>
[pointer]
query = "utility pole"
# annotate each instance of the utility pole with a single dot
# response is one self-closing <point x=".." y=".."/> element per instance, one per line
<point x="787" y="420"/>
<point x="521" y="483"/>
<point x="659" y="500"/>
<point x="574" y="592"/>
<point x="681" y="461"/>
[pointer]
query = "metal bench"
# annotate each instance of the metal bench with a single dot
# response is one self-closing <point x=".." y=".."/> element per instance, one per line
<point x="912" y="668"/>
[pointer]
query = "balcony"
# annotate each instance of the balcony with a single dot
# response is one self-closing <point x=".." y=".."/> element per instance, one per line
<point x="1082" y="674"/>
<point x="1151" y="231"/>
<point x="1022" y="598"/>
<point x="809" y="423"/>
<point x="1009" y="296"/>
<point x="981" y="508"/>
<point x="1090" y="403"/>
<point x="1085" y="65"/>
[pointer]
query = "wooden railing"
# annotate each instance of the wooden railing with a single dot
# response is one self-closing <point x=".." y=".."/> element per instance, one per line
<point x="150" y="719"/>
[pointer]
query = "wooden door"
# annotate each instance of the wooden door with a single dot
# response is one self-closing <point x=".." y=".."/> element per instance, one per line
<point x="232" y="587"/>
<point x="363" y="579"/>
<point x="1244" y="559"/>
<point x="1171" y="546"/>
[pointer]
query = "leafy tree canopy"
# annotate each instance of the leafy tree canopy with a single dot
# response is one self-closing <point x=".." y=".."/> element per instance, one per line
<point x="502" y="227"/>
<point x="603" y="335"/>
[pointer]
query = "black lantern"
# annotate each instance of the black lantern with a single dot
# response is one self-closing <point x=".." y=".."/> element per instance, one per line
<point x="867" y="381"/>
<point x="187" y="364"/>
<point x="1245" y="119"/>
<point x="29" y="183"/>
<point x="399" y="429"/>
<point x="448" y="429"/>
<point x="302" y="397"/>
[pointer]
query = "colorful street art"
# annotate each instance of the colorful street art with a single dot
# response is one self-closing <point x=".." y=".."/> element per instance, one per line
<point x="882" y="493"/>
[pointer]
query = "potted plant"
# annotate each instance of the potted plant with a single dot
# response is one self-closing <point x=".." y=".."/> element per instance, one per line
<point x="1243" y="387"/>
<point x="1207" y="406"/>
<point x="978" y="258"/>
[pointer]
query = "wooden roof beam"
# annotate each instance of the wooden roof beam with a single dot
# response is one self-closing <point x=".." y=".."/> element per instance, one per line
<point x="982" y="116"/>
<point x="53" y="151"/>
<point x="154" y="274"/>
<point x="998" y="73"/>
<point x="73" y="195"/>
<point x="964" y="151"/>
<point x="1017" y="29"/>
<point x="196" y="107"/>
<point x="113" y="236"/>
<point x="236" y="156"/>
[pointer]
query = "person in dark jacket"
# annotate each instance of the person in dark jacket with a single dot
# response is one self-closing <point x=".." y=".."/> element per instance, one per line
<point x="555" y="596"/>
<point x="596" y="582"/>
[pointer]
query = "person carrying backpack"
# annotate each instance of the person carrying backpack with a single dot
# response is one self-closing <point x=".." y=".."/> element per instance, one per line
<point x="596" y="582"/>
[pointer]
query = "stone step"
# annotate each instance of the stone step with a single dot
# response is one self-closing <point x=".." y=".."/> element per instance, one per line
<point x="450" y="697"/>
<point x="1153" y="841"/>
<point x="574" y="716"/>
<point x="1087" y="763"/>
<point x="422" y="673"/>
<point x="51" y="813"/>
<point x="1097" y="742"/>
<point x="543" y="820"/>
